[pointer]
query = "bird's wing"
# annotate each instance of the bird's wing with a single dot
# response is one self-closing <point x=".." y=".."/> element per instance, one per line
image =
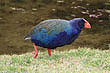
<point x="48" y="25"/>
<point x="38" y="28"/>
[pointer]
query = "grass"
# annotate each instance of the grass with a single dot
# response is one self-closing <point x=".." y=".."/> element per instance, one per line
<point x="81" y="60"/>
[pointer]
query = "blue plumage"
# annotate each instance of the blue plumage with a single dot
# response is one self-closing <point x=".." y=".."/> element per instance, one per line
<point x="55" y="32"/>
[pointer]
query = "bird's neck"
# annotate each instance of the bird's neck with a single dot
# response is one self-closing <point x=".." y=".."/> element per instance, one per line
<point x="74" y="25"/>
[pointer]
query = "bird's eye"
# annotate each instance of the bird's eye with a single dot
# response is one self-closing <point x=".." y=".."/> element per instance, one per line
<point x="81" y="24"/>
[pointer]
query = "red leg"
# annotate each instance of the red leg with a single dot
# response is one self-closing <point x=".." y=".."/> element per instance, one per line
<point x="49" y="51"/>
<point x="36" y="52"/>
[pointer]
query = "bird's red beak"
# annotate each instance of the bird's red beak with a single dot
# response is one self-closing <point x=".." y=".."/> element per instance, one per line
<point x="87" y="25"/>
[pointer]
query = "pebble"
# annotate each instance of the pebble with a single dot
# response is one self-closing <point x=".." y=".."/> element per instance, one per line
<point x="60" y="1"/>
<point x="34" y="9"/>
<point x="53" y="9"/>
<point x="73" y="15"/>
<point x="13" y="8"/>
<point x="87" y="4"/>
<point x="92" y="15"/>
<point x="100" y="20"/>
<point x="73" y="3"/>
<point x="85" y="12"/>
<point x="108" y="11"/>
<point x="1" y="18"/>
<point x="18" y="9"/>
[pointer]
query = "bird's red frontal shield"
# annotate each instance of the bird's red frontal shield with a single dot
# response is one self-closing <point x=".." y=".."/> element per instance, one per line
<point x="87" y="25"/>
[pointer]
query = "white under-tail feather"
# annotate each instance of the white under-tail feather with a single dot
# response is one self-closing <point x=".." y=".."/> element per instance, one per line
<point x="27" y="38"/>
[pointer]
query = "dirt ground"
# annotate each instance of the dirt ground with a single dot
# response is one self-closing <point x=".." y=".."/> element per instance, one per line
<point x="17" y="17"/>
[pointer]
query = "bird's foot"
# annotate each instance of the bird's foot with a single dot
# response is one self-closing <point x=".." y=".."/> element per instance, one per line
<point x="35" y="55"/>
<point x="49" y="51"/>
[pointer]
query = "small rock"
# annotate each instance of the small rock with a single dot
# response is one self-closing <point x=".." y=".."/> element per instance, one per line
<point x="60" y="1"/>
<point x="1" y="18"/>
<point x="34" y="9"/>
<point x="13" y="8"/>
<point x="78" y="6"/>
<point x="87" y="4"/>
<point x="95" y="16"/>
<point x="53" y="9"/>
<point x="100" y="20"/>
<point x="20" y="9"/>
<point x="85" y="12"/>
<point x="75" y="7"/>
<point x="71" y="7"/>
<point x="92" y="15"/>
<point x="73" y="3"/>
<point x="108" y="11"/>
<point x="17" y="9"/>
<point x="73" y="15"/>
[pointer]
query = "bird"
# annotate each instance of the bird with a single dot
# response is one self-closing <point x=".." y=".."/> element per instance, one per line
<point x="53" y="33"/>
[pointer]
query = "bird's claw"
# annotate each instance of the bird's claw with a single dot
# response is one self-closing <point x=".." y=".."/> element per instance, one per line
<point x="35" y="55"/>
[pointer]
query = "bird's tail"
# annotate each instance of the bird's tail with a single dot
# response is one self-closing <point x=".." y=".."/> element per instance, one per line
<point x="27" y="37"/>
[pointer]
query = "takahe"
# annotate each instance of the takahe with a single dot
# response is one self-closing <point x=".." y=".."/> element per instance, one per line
<point x="54" y="33"/>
